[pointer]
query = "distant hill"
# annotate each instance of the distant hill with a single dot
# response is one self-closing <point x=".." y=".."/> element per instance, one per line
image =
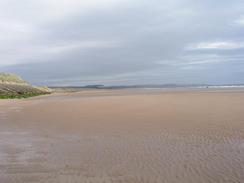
<point x="13" y="86"/>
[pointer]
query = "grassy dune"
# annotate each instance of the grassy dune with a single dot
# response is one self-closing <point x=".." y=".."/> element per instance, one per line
<point x="11" y="78"/>
<point x="12" y="86"/>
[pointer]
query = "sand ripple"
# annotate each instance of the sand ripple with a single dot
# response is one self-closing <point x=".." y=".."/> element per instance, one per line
<point x="164" y="157"/>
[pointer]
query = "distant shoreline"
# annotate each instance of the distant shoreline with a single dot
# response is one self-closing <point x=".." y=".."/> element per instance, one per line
<point x="147" y="86"/>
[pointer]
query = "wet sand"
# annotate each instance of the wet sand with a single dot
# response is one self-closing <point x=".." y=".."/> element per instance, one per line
<point x="124" y="136"/>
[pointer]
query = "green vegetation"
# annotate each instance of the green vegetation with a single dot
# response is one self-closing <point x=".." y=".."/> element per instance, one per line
<point x="12" y="86"/>
<point x="44" y="89"/>
<point x="19" y="96"/>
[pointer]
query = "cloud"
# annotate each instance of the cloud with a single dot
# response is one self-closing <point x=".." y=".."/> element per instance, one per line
<point x="240" y="20"/>
<point x="133" y="41"/>
<point x="60" y="49"/>
<point x="216" y="45"/>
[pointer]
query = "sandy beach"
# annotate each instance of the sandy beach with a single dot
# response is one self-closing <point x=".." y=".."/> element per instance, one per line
<point x="124" y="136"/>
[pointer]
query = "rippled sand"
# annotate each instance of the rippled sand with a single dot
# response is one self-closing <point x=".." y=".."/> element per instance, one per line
<point x="124" y="137"/>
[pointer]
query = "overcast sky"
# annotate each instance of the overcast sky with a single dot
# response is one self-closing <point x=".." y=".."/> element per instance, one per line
<point x="79" y="42"/>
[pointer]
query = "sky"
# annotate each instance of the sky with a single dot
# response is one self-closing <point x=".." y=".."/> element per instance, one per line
<point x="123" y="42"/>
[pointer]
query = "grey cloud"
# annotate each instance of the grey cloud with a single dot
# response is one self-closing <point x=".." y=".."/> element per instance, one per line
<point x="135" y="42"/>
